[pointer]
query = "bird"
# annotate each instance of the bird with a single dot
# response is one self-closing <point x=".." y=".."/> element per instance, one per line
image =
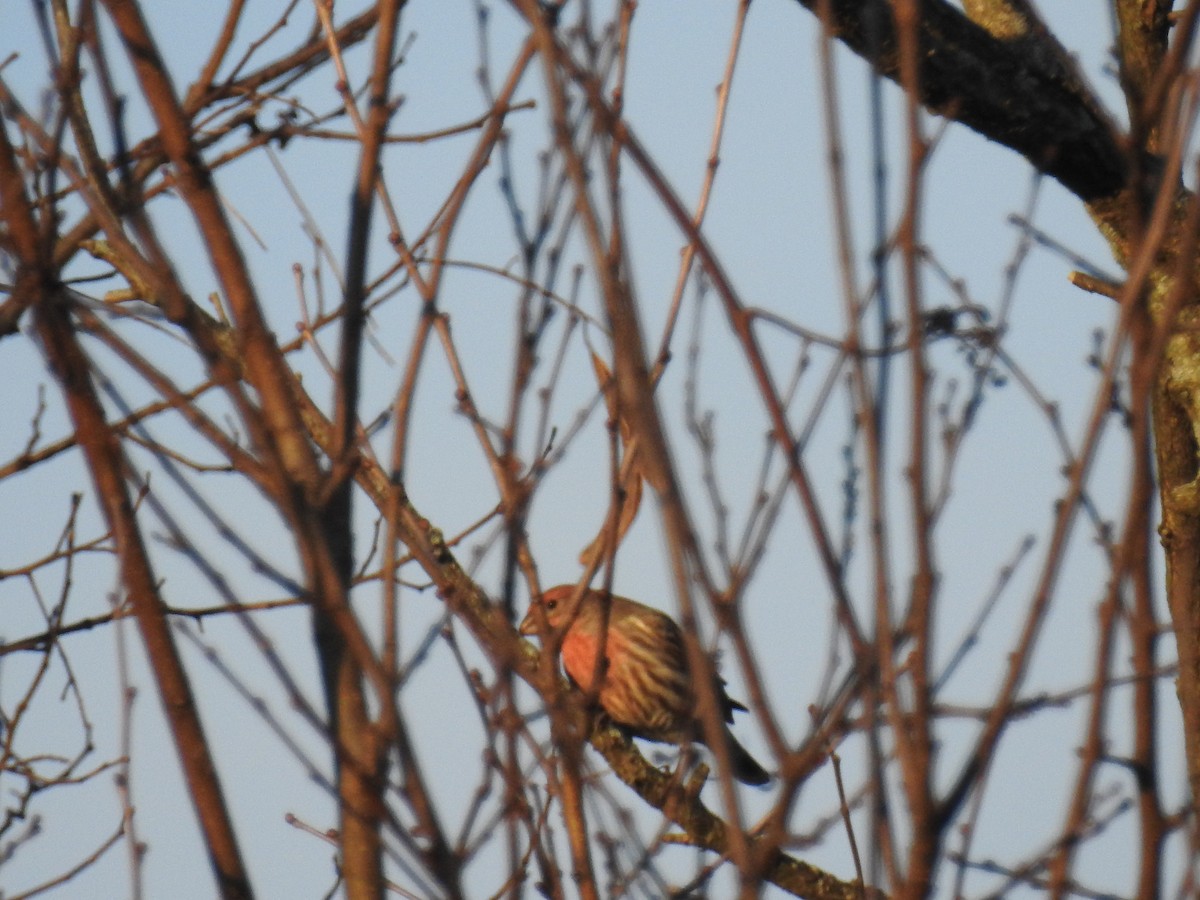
<point x="646" y="685"/>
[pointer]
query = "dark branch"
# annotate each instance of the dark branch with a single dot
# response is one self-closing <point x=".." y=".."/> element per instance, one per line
<point x="1024" y="92"/>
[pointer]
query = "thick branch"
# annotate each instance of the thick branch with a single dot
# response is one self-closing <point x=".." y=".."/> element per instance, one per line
<point x="1024" y="92"/>
<point x="704" y="829"/>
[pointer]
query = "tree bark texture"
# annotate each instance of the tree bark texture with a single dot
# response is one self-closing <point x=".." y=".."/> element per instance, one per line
<point x="998" y="70"/>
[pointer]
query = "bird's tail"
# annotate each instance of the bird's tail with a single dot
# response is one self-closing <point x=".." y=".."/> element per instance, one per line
<point x="746" y="768"/>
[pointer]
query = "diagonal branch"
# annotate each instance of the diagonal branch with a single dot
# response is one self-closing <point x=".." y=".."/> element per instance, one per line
<point x="496" y="635"/>
<point x="106" y="463"/>
<point x="1024" y="92"/>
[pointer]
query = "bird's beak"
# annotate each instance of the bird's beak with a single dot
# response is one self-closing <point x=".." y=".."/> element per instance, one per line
<point x="529" y="624"/>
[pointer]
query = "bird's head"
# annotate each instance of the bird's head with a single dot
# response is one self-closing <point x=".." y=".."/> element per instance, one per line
<point x="555" y="603"/>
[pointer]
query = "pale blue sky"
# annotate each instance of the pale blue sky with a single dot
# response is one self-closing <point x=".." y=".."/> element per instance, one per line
<point x="771" y="223"/>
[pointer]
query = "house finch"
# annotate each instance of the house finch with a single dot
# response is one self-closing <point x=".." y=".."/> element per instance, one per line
<point x="646" y="687"/>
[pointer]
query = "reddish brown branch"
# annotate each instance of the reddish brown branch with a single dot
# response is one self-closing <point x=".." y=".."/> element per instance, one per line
<point x="106" y="463"/>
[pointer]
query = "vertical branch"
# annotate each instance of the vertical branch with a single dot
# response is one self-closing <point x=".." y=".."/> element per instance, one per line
<point x="869" y="417"/>
<point x="360" y="751"/>
<point x="914" y="733"/>
<point x="1143" y="31"/>
<point x="1144" y="634"/>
